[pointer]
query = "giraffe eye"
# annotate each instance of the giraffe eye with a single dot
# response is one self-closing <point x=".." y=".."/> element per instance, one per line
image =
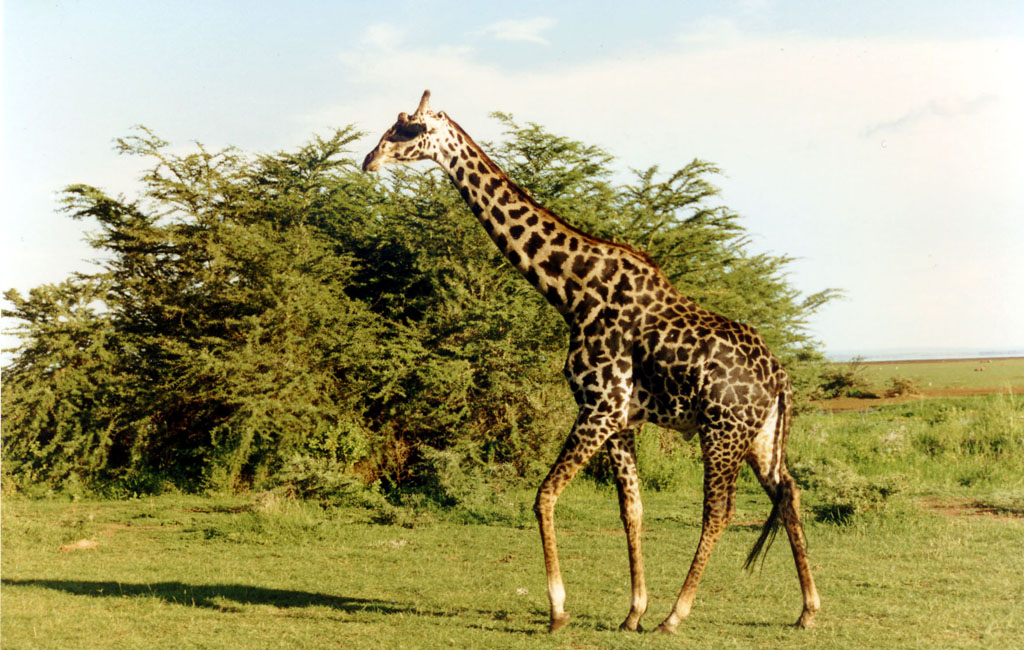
<point x="405" y="132"/>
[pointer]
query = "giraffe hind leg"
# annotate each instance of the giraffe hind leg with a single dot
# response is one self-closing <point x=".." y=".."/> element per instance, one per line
<point x="719" y="506"/>
<point x="790" y="507"/>
<point x="770" y="467"/>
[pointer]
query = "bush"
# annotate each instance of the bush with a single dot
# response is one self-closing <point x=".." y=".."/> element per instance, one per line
<point x="840" y="493"/>
<point x="901" y="386"/>
<point x="666" y="461"/>
<point x="286" y="321"/>
<point x="470" y="490"/>
<point x="843" y="380"/>
<point x="319" y="479"/>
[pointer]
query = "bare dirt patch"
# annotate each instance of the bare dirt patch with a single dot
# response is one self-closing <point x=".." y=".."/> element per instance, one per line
<point x="108" y="533"/>
<point x="867" y="403"/>
<point x="969" y="508"/>
<point x="80" y="545"/>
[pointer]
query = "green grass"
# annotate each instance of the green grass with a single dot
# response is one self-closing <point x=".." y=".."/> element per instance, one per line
<point x="963" y="446"/>
<point x="258" y="571"/>
<point x="165" y="575"/>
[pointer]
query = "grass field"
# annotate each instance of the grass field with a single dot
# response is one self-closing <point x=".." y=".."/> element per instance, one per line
<point x="949" y="374"/>
<point x="928" y="379"/>
<point x="915" y="515"/>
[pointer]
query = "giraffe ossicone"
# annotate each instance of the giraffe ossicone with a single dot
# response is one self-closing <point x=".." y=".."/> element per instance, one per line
<point x="639" y="351"/>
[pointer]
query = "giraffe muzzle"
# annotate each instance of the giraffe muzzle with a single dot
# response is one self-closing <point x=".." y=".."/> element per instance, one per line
<point x="370" y="163"/>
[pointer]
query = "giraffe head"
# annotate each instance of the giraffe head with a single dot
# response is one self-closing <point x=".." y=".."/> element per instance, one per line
<point x="413" y="137"/>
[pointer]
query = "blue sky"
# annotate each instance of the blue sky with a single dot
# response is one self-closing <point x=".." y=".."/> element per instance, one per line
<point x="877" y="142"/>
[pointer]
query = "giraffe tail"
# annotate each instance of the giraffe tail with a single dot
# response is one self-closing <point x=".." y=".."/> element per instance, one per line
<point x="779" y="492"/>
<point x="764" y="542"/>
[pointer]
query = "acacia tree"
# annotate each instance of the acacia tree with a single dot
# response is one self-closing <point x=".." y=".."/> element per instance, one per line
<point x="226" y="327"/>
<point x="62" y="395"/>
<point x="284" y="318"/>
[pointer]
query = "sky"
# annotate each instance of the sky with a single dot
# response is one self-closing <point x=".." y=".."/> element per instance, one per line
<point x="879" y="144"/>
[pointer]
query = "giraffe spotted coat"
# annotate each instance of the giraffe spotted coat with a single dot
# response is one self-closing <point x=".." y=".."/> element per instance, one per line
<point x="639" y="351"/>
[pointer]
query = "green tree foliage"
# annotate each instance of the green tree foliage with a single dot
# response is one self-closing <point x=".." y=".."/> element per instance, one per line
<point x="62" y="394"/>
<point x="275" y="319"/>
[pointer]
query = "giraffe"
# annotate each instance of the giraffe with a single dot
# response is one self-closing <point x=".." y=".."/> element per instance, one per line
<point x="639" y="351"/>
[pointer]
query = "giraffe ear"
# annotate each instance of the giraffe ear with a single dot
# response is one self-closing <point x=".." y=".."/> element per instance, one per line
<point x="424" y="103"/>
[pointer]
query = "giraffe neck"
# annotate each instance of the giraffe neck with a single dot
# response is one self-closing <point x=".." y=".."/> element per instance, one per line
<point x="557" y="259"/>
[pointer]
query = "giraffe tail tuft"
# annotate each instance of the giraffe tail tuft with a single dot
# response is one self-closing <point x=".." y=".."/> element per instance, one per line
<point x="764" y="541"/>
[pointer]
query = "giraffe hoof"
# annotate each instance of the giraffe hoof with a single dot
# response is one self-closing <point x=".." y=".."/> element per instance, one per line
<point x="805" y="621"/>
<point x="626" y="627"/>
<point x="664" y="628"/>
<point x="558" y="622"/>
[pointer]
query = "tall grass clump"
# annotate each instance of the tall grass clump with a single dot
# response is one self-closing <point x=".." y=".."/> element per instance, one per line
<point x="843" y="380"/>
<point x="839" y="492"/>
<point x="665" y="460"/>
<point x="970" y="443"/>
<point x="939" y="446"/>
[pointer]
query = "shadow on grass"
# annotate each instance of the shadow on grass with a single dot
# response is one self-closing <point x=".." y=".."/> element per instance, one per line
<point x="213" y="596"/>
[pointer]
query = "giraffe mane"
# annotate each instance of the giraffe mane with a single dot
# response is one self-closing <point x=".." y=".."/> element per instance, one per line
<point x="493" y="166"/>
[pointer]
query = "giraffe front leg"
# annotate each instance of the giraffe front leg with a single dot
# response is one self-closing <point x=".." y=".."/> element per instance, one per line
<point x="621" y="451"/>
<point x="544" y="508"/>
<point x="588" y="434"/>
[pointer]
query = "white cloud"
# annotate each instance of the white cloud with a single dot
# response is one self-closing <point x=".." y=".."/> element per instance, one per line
<point x="935" y="108"/>
<point x="529" y="30"/>
<point x="710" y="30"/>
<point x="384" y="36"/>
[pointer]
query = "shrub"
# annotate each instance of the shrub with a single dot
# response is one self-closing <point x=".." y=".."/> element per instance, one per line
<point x="843" y="380"/>
<point x="901" y="386"/>
<point x="665" y="460"/>
<point x="840" y="493"/>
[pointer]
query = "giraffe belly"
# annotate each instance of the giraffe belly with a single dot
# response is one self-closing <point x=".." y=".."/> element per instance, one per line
<point x="669" y="412"/>
<point x="685" y="422"/>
